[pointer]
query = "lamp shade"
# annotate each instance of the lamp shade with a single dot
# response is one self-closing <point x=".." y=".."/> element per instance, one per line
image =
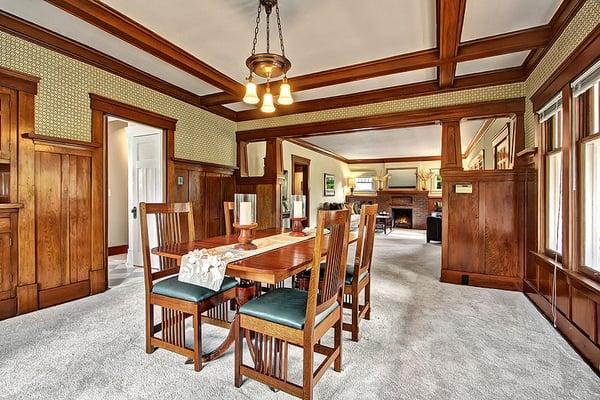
<point x="351" y="182"/>
<point x="285" y="95"/>
<point x="267" y="105"/>
<point x="251" y="97"/>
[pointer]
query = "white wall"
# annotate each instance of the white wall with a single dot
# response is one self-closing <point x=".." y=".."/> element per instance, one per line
<point x="256" y="152"/>
<point x="485" y="143"/>
<point x="319" y="165"/>
<point x="117" y="184"/>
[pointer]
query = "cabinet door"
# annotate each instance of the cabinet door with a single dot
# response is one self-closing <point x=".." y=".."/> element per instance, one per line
<point x="8" y="109"/>
<point x="8" y="273"/>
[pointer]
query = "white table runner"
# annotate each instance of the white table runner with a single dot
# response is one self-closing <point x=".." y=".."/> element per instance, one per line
<point x="206" y="267"/>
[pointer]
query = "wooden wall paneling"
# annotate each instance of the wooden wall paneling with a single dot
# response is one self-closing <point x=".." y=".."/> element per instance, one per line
<point x="98" y="182"/>
<point x="214" y="205"/>
<point x="27" y="291"/>
<point x="180" y="191"/>
<point x="8" y="121"/>
<point x="197" y="195"/>
<point x="584" y="313"/>
<point x="8" y="264"/>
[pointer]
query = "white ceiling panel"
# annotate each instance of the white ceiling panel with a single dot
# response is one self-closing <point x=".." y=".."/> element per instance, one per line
<point x="491" y="63"/>
<point x="41" y="13"/>
<point x="421" y="141"/>
<point x="488" y="17"/>
<point x="318" y="34"/>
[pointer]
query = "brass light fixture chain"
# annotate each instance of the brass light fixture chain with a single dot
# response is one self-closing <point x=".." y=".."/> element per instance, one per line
<point x="279" y="28"/>
<point x="268" y="12"/>
<point x="256" y="30"/>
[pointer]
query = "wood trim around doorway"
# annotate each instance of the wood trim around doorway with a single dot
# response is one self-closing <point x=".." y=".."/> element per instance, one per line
<point x="297" y="160"/>
<point x="101" y="108"/>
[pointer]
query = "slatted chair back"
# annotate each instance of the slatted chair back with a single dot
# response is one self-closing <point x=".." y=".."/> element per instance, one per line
<point x="366" y="237"/>
<point x="227" y="211"/>
<point x="322" y="296"/>
<point x="169" y="231"/>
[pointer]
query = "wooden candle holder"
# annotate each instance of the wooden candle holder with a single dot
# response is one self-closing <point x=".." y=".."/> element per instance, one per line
<point x="297" y="226"/>
<point x="245" y="237"/>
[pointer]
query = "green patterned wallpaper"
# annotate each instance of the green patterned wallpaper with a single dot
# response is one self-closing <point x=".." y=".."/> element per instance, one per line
<point x="489" y="93"/>
<point x="63" y="104"/>
<point x="582" y="24"/>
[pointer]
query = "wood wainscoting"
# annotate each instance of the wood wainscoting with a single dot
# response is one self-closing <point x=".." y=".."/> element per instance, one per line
<point x="482" y="230"/>
<point x="207" y="186"/>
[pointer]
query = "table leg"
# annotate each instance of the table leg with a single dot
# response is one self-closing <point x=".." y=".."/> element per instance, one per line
<point x="243" y="293"/>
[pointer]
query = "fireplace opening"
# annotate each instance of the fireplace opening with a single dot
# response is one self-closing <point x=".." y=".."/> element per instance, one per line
<point x="402" y="217"/>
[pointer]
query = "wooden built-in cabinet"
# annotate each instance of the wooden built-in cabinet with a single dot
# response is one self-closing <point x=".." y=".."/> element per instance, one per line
<point x="8" y="263"/>
<point x="207" y="186"/>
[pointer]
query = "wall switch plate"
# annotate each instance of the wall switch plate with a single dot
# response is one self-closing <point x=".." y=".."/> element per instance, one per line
<point x="180" y="180"/>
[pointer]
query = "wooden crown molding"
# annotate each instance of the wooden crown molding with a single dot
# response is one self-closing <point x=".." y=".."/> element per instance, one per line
<point x="50" y="40"/>
<point x="54" y="140"/>
<point x="451" y="16"/>
<point x="561" y="18"/>
<point x="317" y="149"/>
<point x="388" y="121"/>
<point x="394" y="160"/>
<point x="133" y="113"/>
<point x="123" y="27"/>
<point x="205" y="166"/>
<point x="499" y="77"/>
<point x="18" y="80"/>
<point x="576" y="63"/>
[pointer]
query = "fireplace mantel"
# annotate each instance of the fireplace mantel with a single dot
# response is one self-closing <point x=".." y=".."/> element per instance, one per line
<point x="416" y="200"/>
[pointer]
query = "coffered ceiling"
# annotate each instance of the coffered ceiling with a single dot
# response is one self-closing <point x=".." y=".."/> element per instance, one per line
<point x="420" y="141"/>
<point x="343" y="52"/>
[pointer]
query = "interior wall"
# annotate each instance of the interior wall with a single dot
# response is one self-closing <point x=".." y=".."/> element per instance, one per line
<point x="485" y="144"/>
<point x="117" y="184"/>
<point x="62" y="105"/>
<point x="319" y="165"/>
<point x="256" y="152"/>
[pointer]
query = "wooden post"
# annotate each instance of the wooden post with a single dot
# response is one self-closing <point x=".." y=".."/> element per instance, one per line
<point x="451" y="147"/>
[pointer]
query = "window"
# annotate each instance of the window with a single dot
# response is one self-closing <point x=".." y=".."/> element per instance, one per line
<point x="365" y="184"/>
<point x="551" y="119"/>
<point x="587" y="133"/>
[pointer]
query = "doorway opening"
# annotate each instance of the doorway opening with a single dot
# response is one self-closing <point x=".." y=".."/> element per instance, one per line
<point x="136" y="172"/>
<point x="301" y="182"/>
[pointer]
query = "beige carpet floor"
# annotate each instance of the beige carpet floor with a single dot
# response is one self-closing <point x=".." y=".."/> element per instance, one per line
<point x="426" y="340"/>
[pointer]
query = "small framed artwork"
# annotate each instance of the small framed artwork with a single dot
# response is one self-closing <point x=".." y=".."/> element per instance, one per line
<point x="328" y="185"/>
<point x="478" y="162"/>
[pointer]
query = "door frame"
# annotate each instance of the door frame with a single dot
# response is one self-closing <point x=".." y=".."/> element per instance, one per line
<point x="102" y="107"/>
<point x="305" y="162"/>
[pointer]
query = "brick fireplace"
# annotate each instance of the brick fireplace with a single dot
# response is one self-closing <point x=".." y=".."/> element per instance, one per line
<point x="411" y="206"/>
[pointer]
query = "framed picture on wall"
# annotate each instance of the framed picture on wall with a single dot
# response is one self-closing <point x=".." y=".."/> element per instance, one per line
<point x="328" y="185"/>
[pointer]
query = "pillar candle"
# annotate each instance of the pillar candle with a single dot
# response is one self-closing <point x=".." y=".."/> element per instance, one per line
<point x="298" y="209"/>
<point x="245" y="213"/>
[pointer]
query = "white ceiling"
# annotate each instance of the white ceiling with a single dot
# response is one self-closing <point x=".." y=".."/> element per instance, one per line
<point x="492" y="17"/>
<point x="318" y="34"/>
<point x="491" y="63"/>
<point x="421" y="141"/>
<point x="56" y="20"/>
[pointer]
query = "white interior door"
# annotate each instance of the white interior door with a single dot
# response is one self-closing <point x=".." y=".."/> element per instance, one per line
<point x="146" y="177"/>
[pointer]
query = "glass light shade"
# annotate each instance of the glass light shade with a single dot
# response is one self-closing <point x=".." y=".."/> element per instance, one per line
<point x="298" y="206"/>
<point x="251" y="97"/>
<point x="267" y="105"/>
<point x="285" y="95"/>
<point x="351" y="182"/>
<point x="244" y="209"/>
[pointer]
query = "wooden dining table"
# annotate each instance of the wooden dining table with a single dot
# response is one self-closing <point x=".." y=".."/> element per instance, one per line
<point x="271" y="267"/>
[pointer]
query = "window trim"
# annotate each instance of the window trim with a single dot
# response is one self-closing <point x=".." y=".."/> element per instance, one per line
<point x="582" y="267"/>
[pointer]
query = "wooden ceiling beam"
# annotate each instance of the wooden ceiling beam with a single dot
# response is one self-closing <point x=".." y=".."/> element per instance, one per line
<point x="317" y="149"/>
<point x="388" y="121"/>
<point x="512" y="42"/>
<point x="124" y="28"/>
<point x="50" y="40"/>
<point x="509" y="75"/>
<point x="451" y="16"/>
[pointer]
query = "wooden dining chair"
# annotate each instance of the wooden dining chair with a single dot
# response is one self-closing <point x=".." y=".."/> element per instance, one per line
<point x="178" y="300"/>
<point x="358" y="275"/>
<point x="292" y="316"/>
<point x="227" y="211"/>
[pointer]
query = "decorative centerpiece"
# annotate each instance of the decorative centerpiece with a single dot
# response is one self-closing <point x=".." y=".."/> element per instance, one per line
<point x="244" y="217"/>
<point x="298" y="214"/>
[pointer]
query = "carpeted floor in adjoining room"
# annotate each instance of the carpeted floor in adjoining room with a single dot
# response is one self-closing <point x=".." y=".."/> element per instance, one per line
<point x="426" y="340"/>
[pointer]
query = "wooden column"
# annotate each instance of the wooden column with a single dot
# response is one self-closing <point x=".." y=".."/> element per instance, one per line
<point x="451" y="147"/>
<point x="274" y="158"/>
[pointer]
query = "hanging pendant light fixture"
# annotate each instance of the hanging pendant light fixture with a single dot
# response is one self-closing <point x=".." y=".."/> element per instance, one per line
<point x="268" y="65"/>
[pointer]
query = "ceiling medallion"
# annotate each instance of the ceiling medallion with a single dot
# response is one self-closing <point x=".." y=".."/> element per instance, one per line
<point x="268" y="65"/>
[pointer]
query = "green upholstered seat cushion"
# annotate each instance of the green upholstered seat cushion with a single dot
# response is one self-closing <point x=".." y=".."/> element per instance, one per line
<point x="186" y="291"/>
<point x="283" y="306"/>
<point x="349" y="273"/>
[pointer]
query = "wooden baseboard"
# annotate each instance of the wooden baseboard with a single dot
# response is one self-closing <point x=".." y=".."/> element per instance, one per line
<point x="588" y="349"/>
<point x="62" y="294"/>
<point x="116" y="250"/>
<point x="481" y="280"/>
<point x="8" y="308"/>
<point x="98" y="282"/>
<point x="27" y="298"/>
